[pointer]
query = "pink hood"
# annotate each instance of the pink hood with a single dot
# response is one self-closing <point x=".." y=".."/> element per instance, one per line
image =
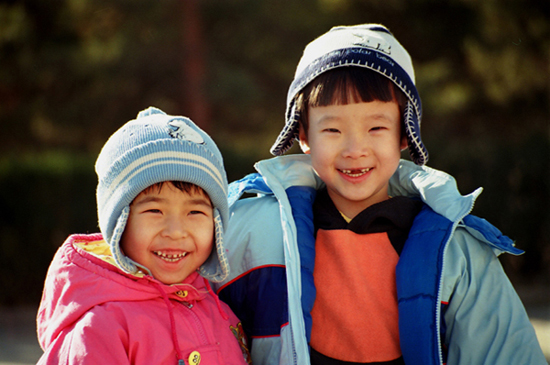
<point x="80" y="285"/>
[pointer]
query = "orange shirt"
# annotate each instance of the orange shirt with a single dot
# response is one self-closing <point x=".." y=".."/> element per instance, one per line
<point x="355" y="316"/>
<point x="355" y="312"/>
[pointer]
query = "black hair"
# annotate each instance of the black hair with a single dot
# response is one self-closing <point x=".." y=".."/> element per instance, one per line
<point x="182" y="186"/>
<point x="347" y="85"/>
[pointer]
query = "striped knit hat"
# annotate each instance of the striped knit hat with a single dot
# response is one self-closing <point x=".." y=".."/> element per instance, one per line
<point x="372" y="47"/>
<point x="156" y="147"/>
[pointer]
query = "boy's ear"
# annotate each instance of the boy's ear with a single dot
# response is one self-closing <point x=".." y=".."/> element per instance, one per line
<point x="404" y="143"/>
<point x="304" y="145"/>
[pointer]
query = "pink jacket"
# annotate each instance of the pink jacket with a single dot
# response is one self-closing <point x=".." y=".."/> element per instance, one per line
<point x="93" y="313"/>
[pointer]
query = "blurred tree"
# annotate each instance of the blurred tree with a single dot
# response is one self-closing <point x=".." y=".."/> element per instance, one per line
<point x="75" y="70"/>
<point x="194" y="69"/>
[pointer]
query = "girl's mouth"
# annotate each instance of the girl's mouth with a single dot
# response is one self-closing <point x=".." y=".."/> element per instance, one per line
<point x="355" y="173"/>
<point x="170" y="257"/>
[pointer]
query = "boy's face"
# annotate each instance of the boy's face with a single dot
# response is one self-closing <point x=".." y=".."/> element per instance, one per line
<point x="355" y="149"/>
<point x="170" y="232"/>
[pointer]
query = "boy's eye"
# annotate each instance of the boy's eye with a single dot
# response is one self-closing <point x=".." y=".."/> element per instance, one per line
<point x="154" y="211"/>
<point x="377" y="129"/>
<point x="331" y="130"/>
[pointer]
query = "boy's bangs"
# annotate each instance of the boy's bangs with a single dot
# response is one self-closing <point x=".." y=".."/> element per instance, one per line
<point x="347" y="85"/>
<point x="351" y="85"/>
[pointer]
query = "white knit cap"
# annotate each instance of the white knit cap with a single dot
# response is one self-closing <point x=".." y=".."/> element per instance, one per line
<point x="153" y="148"/>
<point x="369" y="46"/>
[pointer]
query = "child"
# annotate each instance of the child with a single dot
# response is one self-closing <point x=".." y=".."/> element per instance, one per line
<point x="349" y="255"/>
<point x="138" y="292"/>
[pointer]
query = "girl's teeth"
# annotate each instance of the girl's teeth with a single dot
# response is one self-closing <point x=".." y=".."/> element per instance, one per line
<point x="169" y="257"/>
<point x="356" y="174"/>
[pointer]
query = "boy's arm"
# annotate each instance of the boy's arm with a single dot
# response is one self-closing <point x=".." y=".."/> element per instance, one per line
<point x="485" y="320"/>
<point x="256" y="288"/>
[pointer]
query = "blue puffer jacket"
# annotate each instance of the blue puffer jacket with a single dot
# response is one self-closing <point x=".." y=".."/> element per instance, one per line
<point x="456" y="304"/>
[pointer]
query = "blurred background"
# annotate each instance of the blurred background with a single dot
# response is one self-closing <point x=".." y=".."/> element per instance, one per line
<point x="73" y="71"/>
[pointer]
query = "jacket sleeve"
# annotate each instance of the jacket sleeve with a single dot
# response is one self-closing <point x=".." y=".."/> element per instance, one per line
<point x="485" y="320"/>
<point x="256" y="287"/>
<point x="94" y="339"/>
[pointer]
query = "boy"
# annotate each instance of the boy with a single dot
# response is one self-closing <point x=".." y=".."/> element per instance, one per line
<point x="349" y="255"/>
<point x="138" y="292"/>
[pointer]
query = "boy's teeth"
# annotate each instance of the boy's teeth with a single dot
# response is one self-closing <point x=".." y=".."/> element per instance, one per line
<point x="169" y="257"/>
<point x="356" y="173"/>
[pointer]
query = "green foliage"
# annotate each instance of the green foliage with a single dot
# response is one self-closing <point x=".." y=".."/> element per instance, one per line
<point x="43" y="199"/>
<point x="73" y="71"/>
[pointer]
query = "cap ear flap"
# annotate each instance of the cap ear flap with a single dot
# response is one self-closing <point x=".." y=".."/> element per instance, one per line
<point x="216" y="267"/>
<point x="289" y="133"/>
<point x="123" y="261"/>
<point x="417" y="150"/>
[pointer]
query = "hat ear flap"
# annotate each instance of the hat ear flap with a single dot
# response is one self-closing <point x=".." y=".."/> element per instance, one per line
<point x="216" y="267"/>
<point x="417" y="150"/>
<point x="124" y="262"/>
<point x="289" y="133"/>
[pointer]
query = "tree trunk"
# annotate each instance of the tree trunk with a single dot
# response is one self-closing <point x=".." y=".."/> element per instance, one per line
<point x="195" y="101"/>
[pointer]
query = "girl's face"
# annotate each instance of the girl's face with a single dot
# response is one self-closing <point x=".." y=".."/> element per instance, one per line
<point x="170" y="232"/>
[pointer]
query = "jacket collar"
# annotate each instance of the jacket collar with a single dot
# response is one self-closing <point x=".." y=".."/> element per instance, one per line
<point x="435" y="188"/>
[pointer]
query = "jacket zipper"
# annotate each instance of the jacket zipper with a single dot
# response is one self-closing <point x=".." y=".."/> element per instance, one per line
<point x="440" y="285"/>
<point x="198" y="323"/>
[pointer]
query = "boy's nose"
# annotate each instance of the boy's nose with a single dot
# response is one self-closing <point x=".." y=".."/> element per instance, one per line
<point x="355" y="146"/>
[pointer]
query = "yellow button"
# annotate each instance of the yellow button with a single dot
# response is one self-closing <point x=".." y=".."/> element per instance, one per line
<point x="182" y="293"/>
<point x="195" y="358"/>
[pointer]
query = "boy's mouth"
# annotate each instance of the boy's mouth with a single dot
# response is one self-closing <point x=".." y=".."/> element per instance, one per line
<point x="356" y="173"/>
<point x="170" y="257"/>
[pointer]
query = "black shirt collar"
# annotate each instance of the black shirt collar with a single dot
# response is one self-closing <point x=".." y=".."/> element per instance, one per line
<point x="397" y="212"/>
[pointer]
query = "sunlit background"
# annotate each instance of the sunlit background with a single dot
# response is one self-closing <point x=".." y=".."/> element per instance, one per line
<point x="73" y="71"/>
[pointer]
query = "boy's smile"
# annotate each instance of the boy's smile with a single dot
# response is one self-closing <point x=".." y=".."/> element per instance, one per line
<point x="355" y="149"/>
<point x="355" y="174"/>
<point x="170" y="232"/>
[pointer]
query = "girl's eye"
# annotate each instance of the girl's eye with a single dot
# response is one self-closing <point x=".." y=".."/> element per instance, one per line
<point x="331" y="130"/>
<point x="377" y="129"/>
<point x="193" y="212"/>
<point x="154" y="211"/>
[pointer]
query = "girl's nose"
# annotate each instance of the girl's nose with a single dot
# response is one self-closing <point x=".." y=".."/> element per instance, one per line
<point x="175" y="228"/>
